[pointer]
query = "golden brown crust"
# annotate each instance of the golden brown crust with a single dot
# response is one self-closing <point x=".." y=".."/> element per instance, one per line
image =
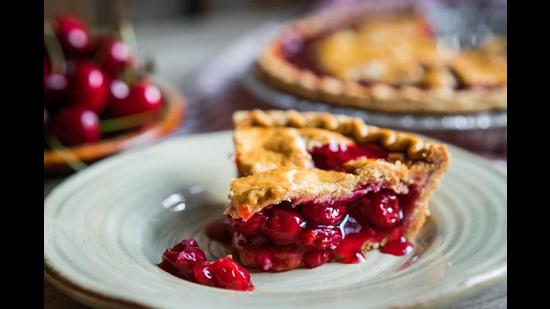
<point x="294" y="179"/>
<point x="252" y="193"/>
<point x="441" y="97"/>
<point x="353" y="128"/>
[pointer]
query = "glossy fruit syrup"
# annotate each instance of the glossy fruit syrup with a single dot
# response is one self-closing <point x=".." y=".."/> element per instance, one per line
<point x="187" y="261"/>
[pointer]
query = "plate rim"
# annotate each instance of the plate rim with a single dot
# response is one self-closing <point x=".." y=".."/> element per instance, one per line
<point x="85" y="295"/>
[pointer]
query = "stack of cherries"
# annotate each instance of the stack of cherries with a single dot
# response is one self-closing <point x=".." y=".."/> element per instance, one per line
<point x="89" y="79"/>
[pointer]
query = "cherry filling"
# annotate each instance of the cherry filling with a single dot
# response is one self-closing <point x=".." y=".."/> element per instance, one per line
<point x="284" y="236"/>
<point x="187" y="261"/>
<point x="299" y="51"/>
<point x="333" y="156"/>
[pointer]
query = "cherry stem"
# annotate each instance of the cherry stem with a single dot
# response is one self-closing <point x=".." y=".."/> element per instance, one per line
<point x="127" y="122"/>
<point x="55" y="52"/>
<point x="128" y="35"/>
<point x="65" y="153"/>
<point x="128" y="76"/>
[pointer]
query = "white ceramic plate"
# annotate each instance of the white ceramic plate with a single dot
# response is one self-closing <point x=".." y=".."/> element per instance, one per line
<point x="106" y="228"/>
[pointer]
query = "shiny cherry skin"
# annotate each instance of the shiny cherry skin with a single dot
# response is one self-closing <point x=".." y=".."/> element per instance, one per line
<point x="90" y="86"/>
<point x="75" y="125"/>
<point x="118" y="91"/>
<point x="56" y="91"/>
<point x="284" y="226"/>
<point x="252" y="226"/>
<point x="114" y="56"/>
<point x="73" y="35"/>
<point x="229" y="275"/>
<point x="381" y="209"/>
<point x="144" y="97"/>
<point x="324" y="213"/>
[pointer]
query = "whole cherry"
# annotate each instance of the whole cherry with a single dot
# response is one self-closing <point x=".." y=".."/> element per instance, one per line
<point x="114" y="55"/>
<point x="252" y="226"/>
<point x="73" y="35"/>
<point x="90" y="86"/>
<point x="284" y="226"/>
<point x="143" y="97"/>
<point x="381" y="209"/>
<point x="76" y="125"/>
<point x="56" y="91"/>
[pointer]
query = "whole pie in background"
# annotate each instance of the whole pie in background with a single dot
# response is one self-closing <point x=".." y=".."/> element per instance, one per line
<point x="388" y="61"/>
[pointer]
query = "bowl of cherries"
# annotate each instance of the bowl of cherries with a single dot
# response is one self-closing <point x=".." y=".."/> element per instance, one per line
<point x="98" y="100"/>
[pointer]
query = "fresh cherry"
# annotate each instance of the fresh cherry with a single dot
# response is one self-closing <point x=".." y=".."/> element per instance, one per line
<point x="90" y="86"/>
<point x="324" y="213"/>
<point x="73" y="35"/>
<point x="114" y="56"/>
<point x="284" y="226"/>
<point x="316" y="258"/>
<point x="56" y="91"/>
<point x="252" y="226"/>
<point x="76" y="125"/>
<point x="381" y="209"/>
<point x="322" y="238"/>
<point x="118" y="91"/>
<point x="143" y="97"/>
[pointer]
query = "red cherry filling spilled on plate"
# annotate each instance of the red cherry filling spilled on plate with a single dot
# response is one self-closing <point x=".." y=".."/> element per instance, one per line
<point x="187" y="261"/>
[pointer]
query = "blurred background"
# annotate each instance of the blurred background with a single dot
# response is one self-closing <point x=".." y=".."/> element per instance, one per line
<point x="180" y="35"/>
<point x="204" y="48"/>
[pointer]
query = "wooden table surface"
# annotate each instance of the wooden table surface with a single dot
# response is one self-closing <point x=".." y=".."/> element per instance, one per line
<point x="211" y="100"/>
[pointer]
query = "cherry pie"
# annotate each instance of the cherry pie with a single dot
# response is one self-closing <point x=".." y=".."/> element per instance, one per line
<point x="387" y="62"/>
<point x="316" y="187"/>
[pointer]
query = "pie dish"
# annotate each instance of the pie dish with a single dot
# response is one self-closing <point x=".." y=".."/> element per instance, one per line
<point x="384" y="61"/>
<point x="318" y="187"/>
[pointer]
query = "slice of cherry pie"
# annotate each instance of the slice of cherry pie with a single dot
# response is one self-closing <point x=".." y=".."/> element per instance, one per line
<point x="317" y="187"/>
